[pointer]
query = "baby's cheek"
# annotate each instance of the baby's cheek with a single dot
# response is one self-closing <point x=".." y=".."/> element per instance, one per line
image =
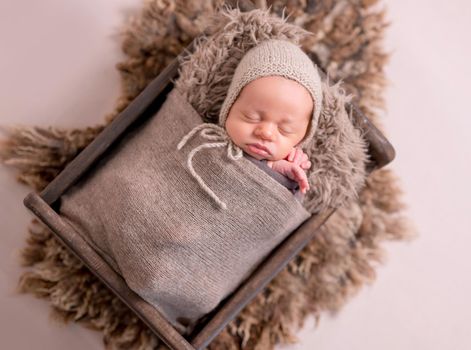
<point x="232" y="132"/>
<point x="287" y="154"/>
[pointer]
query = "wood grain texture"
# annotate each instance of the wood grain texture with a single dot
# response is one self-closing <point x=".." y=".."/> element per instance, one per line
<point x="67" y="235"/>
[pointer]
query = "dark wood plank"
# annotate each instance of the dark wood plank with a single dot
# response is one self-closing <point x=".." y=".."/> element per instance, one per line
<point x="259" y="279"/>
<point x="67" y="235"/>
<point x="380" y="149"/>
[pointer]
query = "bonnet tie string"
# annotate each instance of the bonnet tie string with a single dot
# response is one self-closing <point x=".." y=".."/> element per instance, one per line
<point x="212" y="132"/>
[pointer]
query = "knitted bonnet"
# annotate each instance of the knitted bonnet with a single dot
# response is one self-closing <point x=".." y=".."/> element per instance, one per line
<point x="280" y="58"/>
<point x="268" y="58"/>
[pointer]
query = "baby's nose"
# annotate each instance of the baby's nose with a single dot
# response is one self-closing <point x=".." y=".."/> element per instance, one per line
<point x="264" y="131"/>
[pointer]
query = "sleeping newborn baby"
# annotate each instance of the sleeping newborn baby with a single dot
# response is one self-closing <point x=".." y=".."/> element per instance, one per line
<point x="268" y="119"/>
<point x="270" y="111"/>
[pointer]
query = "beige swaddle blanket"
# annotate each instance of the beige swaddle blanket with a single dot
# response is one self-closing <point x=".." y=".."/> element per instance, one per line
<point x="145" y="213"/>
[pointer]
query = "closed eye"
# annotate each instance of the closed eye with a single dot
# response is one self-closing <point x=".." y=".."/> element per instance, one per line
<point x="251" y="117"/>
<point x="286" y="131"/>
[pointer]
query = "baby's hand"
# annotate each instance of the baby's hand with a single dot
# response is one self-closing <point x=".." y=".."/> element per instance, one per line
<point x="293" y="171"/>
<point x="297" y="156"/>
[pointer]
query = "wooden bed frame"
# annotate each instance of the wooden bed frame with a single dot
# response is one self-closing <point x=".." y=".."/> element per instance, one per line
<point x="46" y="207"/>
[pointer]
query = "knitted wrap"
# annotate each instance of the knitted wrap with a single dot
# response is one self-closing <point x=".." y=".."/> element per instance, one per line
<point x="280" y="58"/>
<point x="146" y="216"/>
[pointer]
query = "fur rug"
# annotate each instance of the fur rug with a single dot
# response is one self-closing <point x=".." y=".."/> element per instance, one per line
<point x="329" y="270"/>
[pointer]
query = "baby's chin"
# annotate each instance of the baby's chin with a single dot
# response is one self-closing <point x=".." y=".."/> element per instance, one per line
<point x="256" y="156"/>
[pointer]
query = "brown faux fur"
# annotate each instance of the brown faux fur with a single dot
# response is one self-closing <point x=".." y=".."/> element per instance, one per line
<point x="329" y="270"/>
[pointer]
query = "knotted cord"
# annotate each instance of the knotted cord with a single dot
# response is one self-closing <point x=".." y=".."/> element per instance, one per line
<point x="212" y="132"/>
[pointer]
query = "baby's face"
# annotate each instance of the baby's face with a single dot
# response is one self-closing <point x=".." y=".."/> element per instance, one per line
<point x="271" y="112"/>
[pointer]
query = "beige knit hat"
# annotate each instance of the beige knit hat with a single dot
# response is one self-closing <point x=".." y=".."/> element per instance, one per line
<point x="281" y="58"/>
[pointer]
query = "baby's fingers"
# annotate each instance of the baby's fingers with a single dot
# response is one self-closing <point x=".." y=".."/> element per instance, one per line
<point x="291" y="155"/>
<point x="306" y="164"/>
<point x="304" y="157"/>
<point x="301" y="179"/>
<point x="298" y="156"/>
